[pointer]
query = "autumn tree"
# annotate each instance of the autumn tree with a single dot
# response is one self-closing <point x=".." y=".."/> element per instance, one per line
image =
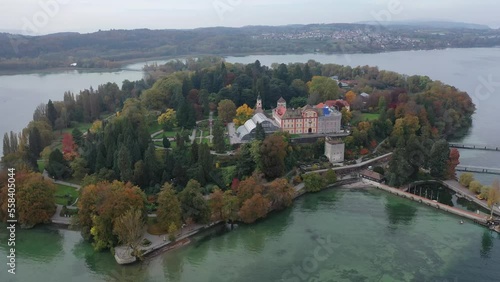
<point x="350" y="97"/>
<point x="346" y="116"/>
<point x="231" y="206"/>
<point x="494" y="196"/>
<point x="453" y="162"/>
<point x="169" y="208"/>
<point x="475" y="186"/>
<point x="101" y="204"/>
<point x="254" y="208"/>
<point x="249" y="187"/>
<point x="466" y="178"/>
<point x="129" y="228"/>
<point x="168" y="120"/>
<point x="243" y="113"/>
<point x="280" y="193"/>
<point x="96" y="127"/>
<point x="34" y="197"/>
<point x="69" y="147"/>
<point x="273" y="153"/>
<point x="226" y="110"/>
<point x="216" y="203"/>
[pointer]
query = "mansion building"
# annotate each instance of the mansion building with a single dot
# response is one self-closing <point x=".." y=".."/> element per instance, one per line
<point x="308" y="119"/>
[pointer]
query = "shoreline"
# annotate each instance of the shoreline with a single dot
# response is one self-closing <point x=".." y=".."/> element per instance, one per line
<point x="123" y="63"/>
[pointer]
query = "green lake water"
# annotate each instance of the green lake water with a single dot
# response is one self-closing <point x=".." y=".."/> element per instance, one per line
<point x="335" y="235"/>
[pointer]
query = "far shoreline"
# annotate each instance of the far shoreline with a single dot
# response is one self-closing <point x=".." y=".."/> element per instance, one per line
<point x="124" y="63"/>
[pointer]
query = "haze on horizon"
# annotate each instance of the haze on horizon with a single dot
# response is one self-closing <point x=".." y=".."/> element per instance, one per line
<point x="36" y="17"/>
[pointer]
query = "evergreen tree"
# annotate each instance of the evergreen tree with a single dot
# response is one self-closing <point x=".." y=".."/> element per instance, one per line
<point x="194" y="152"/>
<point x="151" y="164"/>
<point x="58" y="167"/>
<point x="219" y="142"/>
<point x="77" y="136"/>
<point x="205" y="160"/>
<point x="260" y="133"/>
<point x="51" y="113"/>
<point x="6" y="144"/>
<point x="35" y="147"/>
<point x="166" y="143"/>
<point x="124" y="165"/>
<point x="438" y="163"/>
<point x="307" y="74"/>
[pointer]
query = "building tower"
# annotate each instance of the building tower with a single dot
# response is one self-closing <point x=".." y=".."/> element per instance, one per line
<point x="281" y="103"/>
<point x="258" y="105"/>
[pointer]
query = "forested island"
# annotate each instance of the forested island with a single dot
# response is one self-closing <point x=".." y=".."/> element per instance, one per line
<point x="110" y="49"/>
<point x="131" y="147"/>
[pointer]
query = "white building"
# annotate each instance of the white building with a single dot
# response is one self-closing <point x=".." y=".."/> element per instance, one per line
<point x="334" y="150"/>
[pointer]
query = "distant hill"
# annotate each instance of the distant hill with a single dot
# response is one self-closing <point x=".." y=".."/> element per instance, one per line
<point x="111" y="48"/>
<point x="430" y="24"/>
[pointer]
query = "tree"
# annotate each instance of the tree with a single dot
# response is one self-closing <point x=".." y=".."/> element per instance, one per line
<point x="254" y="208"/>
<point x="494" y="196"/>
<point x="35" y="147"/>
<point x="273" y="153"/>
<point x="219" y="142"/>
<point x="249" y="187"/>
<point x="350" y="97"/>
<point x="77" y="136"/>
<point x="166" y="143"/>
<point x="330" y="177"/>
<point x="260" y="133"/>
<point x="58" y="167"/>
<point x="475" y="186"/>
<point x="280" y="193"/>
<point x="226" y="110"/>
<point x="453" y="162"/>
<point x="325" y="87"/>
<point x="439" y="156"/>
<point x="172" y="230"/>
<point x="79" y="168"/>
<point x="34" y="197"/>
<point x="466" y="178"/>
<point x="129" y="228"/>
<point x="168" y="120"/>
<point x="51" y="113"/>
<point x="69" y="147"/>
<point x="243" y="113"/>
<point x="96" y="127"/>
<point x="101" y="204"/>
<point x="346" y="116"/>
<point x="313" y="182"/>
<point x="231" y="206"/>
<point x="124" y="164"/>
<point x="169" y="208"/>
<point x="216" y="203"/>
<point x="194" y="206"/>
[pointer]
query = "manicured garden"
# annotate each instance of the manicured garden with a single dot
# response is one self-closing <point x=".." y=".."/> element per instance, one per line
<point x="65" y="195"/>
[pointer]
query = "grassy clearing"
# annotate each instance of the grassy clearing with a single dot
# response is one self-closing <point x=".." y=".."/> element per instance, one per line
<point x="41" y="165"/>
<point x="367" y="116"/>
<point x="65" y="194"/>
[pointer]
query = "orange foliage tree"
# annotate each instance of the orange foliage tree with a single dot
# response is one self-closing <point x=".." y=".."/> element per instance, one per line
<point x="34" y="199"/>
<point x="101" y="204"/>
<point x="254" y="208"/>
<point x="280" y="193"/>
<point x="453" y="162"/>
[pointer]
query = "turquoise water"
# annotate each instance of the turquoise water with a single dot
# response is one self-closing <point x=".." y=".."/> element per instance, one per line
<point x="335" y="235"/>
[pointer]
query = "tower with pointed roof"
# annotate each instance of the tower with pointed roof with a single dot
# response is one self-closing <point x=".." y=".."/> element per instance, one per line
<point x="258" y="105"/>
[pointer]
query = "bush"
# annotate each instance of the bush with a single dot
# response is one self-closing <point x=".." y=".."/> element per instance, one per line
<point x="475" y="186"/>
<point x="466" y="178"/>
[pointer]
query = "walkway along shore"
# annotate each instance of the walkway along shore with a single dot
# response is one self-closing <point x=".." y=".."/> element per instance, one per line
<point x="466" y="214"/>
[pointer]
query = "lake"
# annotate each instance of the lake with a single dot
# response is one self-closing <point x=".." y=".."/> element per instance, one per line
<point x="335" y="235"/>
<point x="376" y="236"/>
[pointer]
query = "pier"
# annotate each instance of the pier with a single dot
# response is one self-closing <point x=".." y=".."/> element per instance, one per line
<point x="478" y="169"/>
<point x="474" y="147"/>
<point x="466" y="214"/>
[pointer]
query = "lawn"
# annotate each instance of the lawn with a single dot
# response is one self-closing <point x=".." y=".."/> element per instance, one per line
<point x="65" y="194"/>
<point x="154" y="127"/>
<point x="367" y="116"/>
<point x="41" y="165"/>
<point x="173" y="144"/>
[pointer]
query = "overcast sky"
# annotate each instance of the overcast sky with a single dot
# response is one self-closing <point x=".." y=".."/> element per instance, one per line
<point x="49" y="16"/>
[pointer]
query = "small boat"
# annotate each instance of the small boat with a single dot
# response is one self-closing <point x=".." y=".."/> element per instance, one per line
<point x="461" y="222"/>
